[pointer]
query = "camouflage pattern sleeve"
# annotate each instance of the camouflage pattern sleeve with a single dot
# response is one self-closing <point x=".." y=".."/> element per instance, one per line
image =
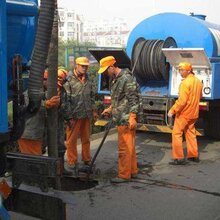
<point x="131" y="91"/>
<point x="65" y="98"/>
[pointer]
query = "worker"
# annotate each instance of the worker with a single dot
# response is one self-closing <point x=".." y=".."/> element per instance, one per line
<point x="186" y="111"/>
<point x="32" y="137"/>
<point x="79" y="108"/>
<point x="124" y="108"/>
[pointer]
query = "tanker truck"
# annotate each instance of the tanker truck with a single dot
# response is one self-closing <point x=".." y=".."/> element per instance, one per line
<point x="154" y="49"/>
<point x="18" y="22"/>
<point x="25" y="36"/>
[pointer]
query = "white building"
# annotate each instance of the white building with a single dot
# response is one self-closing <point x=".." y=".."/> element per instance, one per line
<point x="70" y="25"/>
<point x="106" y="33"/>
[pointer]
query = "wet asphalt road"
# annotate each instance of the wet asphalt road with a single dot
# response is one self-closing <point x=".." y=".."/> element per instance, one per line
<point x="162" y="191"/>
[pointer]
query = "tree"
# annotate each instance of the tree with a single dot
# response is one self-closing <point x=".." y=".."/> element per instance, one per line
<point x="71" y="46"/>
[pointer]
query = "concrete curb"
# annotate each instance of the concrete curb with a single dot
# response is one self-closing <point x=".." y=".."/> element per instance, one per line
<point x="101" y="134"/>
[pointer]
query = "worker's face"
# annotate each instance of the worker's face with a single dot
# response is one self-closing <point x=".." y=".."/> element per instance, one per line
<point x="184" y="73"/>
<point x="81" y="69"/>
<point x="110" y="71"/>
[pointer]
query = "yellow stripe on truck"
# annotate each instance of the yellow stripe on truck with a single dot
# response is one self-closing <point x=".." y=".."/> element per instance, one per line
<point x="101" y="122"/>
<point x="160" y="128"/>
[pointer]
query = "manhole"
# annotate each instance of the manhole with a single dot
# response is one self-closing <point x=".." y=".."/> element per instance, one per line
<point x="77" y="184"/>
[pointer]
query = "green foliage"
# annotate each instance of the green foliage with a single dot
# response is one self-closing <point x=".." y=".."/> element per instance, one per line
<point x="71" y="46"/>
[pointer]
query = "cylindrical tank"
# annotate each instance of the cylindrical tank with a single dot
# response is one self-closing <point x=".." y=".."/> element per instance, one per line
<point x="188" y="32"/>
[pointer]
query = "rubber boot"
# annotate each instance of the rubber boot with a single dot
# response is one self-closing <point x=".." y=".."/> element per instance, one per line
<point x="65" y="171"/>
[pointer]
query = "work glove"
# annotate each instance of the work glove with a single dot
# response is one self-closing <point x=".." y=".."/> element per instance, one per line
<point x="53" y="102"/>
<point x="170" y="114"/>
<point x="95" y="116"/>
<point x="132" y="120"/>
<point x="107" y="111"/>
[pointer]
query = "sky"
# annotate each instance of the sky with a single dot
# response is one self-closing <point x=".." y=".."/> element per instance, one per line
<point x="134" y="11"/>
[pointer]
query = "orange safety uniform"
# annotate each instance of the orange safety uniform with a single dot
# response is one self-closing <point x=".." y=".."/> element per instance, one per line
<point x="186" y="109"/>
<point x="82" y="127"/>
<point x="78" y="108"/>
<point x="28" y="146"/>
<point x="125" y="106"/>
<point x="127" y="163"/>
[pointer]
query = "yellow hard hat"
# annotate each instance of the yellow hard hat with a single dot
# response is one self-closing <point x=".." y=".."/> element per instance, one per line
<point x="105" y="63"/>
<point x="185" y="66"/>
<point x="82" y="61"/>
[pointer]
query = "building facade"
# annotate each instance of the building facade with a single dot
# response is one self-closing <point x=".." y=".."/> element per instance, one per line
<point x="102" y="32"/>
<point x="106" y="33"/>
<point x="70" y="25"/>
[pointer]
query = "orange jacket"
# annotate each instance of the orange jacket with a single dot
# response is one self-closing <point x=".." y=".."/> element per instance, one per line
<point x="190" y="93"/>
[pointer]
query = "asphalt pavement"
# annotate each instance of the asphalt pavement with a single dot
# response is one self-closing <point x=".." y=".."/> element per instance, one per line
<point x="161" y="192"/>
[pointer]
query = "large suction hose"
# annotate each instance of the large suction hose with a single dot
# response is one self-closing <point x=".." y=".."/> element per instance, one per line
<point x="39" y="58"/>
<point x="150" y="61"/>
<point x="38" y="64"/>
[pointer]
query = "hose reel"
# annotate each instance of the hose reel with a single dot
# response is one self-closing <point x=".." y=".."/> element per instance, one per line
<point x="150" y="62"/>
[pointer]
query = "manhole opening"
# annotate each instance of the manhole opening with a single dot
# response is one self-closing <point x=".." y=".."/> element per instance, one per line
<point x="77" y="184"/>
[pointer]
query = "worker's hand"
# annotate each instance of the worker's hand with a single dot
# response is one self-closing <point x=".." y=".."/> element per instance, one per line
<point x="53" y="102"/>
<point x="170" y="115"/>
<point x="107" y="111"/>
<point x="95" y="116"/>
<point x="132" y="121"/>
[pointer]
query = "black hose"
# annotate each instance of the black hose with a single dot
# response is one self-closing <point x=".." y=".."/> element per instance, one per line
<point x="38" y="64"/>
<point x="149" y="59"/>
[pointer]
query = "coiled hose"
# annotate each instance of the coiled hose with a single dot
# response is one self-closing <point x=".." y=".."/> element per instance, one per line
<point x="150" y="62"/>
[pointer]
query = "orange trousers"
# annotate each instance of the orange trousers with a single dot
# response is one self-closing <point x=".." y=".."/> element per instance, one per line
<point x="28" y="146"/>
<point x="81" y="127"/>
<point x="127" y="164"/>
<point x="186" y="126"/>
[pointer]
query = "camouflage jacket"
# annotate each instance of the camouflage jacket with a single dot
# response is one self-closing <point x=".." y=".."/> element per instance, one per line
<point x="35" y="126"/>
<point x="125" y="97"/>
<point x="77" y="99"/>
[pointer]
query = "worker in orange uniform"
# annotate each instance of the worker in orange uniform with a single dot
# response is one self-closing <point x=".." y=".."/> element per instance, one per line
<point x="32" y="137"/>
<point x="62" y="74"/>
<point x="78" y="106"/>
<point x="124" y="108"/>
<point x="186" y="111"/>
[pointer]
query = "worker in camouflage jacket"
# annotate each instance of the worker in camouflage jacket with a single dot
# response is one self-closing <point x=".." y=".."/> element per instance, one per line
<point x="79" y="108"/>
<point x="32" y="138"/>
<point x="124" y="107"/>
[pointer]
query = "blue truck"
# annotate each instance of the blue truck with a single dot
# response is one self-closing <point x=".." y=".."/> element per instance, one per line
<point x="25" y="35"/>
<point x="18" y="25"/>
<point x="154" y="49"/>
